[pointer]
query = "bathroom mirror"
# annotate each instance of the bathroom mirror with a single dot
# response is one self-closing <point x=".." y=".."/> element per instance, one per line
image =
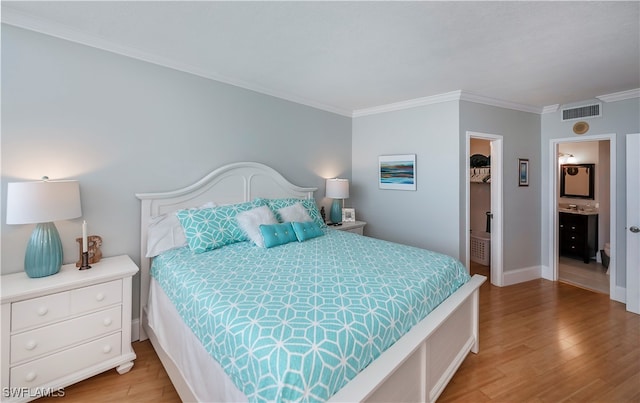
<point x="577" y="181"/>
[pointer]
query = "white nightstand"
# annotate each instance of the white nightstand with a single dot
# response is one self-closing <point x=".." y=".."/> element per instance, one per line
<point x="64" y="328"/>
<point x="356" y="227"/>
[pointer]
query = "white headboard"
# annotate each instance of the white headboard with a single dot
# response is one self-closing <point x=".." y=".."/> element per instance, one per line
<point x="234" y="183"/>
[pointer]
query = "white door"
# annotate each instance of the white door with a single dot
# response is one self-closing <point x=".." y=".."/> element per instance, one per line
<point x="633" y="223"/>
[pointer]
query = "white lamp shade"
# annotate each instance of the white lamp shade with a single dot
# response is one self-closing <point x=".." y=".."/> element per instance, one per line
<point x="337" y="188"/>
<point x="42" y="201"/>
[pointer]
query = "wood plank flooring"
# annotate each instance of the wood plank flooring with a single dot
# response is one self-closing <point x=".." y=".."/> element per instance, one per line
<point x="592" y="276"/>
<point x="542" y="341"/>
<point x="539" y="342"/>
<point x="146" y="382"/>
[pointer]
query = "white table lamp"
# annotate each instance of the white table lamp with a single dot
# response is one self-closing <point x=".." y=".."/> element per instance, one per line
<point x="337" y="189"/>
<point x="42" y="203"/>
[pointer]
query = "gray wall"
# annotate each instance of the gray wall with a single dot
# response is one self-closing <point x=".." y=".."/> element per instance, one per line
<point x="619" y="118"/>
<point x="121" y="126"/>
<point x="433" y="216"/>
<point x="428" y="217"/>
<point x="521" y="205"/>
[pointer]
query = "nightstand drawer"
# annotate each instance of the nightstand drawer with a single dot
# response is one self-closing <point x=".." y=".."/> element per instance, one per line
<point x="50" y="338"/>
<point x="47" y="369"/>
<point x="39" y="311"/>
<point x="96" y="296"/>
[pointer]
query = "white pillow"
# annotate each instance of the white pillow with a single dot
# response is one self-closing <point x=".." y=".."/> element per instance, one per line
<point x="164" y="233"/>
<point x="250" y="221"/>
<point x="294" y="213"/>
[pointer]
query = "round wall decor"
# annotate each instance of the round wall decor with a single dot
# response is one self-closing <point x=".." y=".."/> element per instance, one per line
<point x="581" y="127"/>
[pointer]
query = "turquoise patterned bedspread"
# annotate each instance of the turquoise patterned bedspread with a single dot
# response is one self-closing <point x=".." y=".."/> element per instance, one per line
<point x="298" y="321"/>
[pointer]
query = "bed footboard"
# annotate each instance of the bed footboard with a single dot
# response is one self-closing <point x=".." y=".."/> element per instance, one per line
<point x="426" y="358"/>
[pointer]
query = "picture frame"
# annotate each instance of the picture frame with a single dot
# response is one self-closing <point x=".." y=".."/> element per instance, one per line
<point x="397" y="172"/>
<point x="348" y="215"/>
<point x="523" y="172"/>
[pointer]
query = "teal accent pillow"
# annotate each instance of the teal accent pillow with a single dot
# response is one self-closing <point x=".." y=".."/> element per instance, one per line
<point x="211" y="228"/>
<point x="306" y="230"/>
<point x="309" y="204"/>
<point x="277" y="234"/>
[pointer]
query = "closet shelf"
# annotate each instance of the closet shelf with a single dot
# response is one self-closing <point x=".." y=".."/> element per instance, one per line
<point x="480" y="175"/>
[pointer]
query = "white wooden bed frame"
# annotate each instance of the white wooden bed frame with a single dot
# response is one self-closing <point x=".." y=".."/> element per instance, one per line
<point x="416" y="368"/>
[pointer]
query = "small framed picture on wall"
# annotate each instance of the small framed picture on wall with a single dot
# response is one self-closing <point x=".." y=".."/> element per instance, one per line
<point x="523" y="172"/>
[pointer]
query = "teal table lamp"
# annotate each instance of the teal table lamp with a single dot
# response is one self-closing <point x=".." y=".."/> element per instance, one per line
<point x="337" y="189"/>
<point x="41" y="203"/>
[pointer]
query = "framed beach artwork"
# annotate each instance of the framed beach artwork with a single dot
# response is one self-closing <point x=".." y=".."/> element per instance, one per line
<point x="397" y="172"/>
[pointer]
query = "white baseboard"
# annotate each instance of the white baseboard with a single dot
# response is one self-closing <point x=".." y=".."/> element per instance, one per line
<point x="521" y="275"/>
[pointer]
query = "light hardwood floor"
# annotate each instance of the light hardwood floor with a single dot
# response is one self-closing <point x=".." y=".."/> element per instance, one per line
<point x="592" y="276"/>
<point x="539" y="342"/>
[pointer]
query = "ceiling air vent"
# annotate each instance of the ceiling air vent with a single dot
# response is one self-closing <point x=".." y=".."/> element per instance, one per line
<point x="582" y="112"/>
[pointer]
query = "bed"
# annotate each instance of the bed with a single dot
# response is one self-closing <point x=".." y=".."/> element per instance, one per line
<point x="413" y="361"/>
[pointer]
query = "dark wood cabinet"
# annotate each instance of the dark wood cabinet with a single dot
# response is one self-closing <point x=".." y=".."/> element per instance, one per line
<point x="578" y="235"/>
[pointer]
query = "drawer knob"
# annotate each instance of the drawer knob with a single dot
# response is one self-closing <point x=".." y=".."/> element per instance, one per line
<point x="100" y="297"/>
<point x="107" y="321"/>
<point x="31" y="376"/>
<point x="31" y="344"/>
<point x="107" y="349"/>
<point x="43" y="310"/>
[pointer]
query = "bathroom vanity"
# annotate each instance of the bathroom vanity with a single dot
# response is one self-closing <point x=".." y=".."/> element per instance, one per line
<point x="578" y="234"/>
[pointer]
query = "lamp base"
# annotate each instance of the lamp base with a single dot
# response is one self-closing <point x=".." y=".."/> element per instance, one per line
<point x="336" y="212"/>
<point x="44" y="251"/>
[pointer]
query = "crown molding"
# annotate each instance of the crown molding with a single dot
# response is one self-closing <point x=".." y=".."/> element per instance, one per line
<point x="620" y="96"/>
<point x="459" y="95"/>
<point x="18" y="19"/>
<point x="550" y="108"/>
<point x="411" y="103"/>
<point x="481" y="99"/>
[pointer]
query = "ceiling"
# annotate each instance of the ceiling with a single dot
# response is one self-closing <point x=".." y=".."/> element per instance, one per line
<point x="347" y="57"/>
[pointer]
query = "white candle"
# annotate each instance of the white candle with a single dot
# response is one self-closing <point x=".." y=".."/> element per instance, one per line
<point x="85" y="242"/>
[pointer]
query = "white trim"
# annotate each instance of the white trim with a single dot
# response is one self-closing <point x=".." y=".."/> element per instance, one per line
<point x="459" y="95"/>
<point x="22" y="20"/>
<point x="632" y="218"/>
<point x="550" y="108"/>
<point x="411" y="103"/>
<point x="620" y="96"/>
<point x="481" y="99"/>
<point x="521" y="275"/>
<point x="551" y="273"/>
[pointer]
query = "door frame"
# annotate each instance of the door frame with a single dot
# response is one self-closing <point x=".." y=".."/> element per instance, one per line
<point x="633" y="218"/>
<point x="496" y="261"/>
<point x="554" y="174"/>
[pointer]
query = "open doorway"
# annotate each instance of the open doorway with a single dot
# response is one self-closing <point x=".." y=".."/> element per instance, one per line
<point x="585" y="219"/>
<point x="484" y="206"/>
<point x="584" y="250"/>
<point x="480" y="215"/>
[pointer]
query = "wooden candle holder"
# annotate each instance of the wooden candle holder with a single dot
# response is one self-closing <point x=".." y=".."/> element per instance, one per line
<point x="94" y="242"/>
